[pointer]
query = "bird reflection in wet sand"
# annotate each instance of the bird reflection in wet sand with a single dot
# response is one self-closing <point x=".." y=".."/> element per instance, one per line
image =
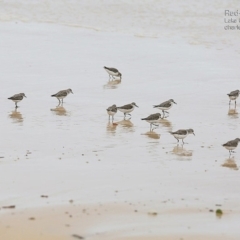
<point x="230" y="163"/>
<point x="152" y="134"/>
<point x="232" y="112"/>
<point x="111" y="127"/>
<point x="125" y="123"/>
<point x="182" y="152"/>
<point x="60" y="111"/>
<point x="165" y="123"/>
<point x="112" y="84"/>
<point x="16" y="116"/>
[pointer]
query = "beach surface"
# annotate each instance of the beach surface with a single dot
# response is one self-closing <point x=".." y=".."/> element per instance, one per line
<point x="68" y="173"/>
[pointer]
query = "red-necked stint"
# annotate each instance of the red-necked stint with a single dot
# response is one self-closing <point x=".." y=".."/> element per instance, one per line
<point x="112" y="110"/>
<point x="62" y="94"/>
<point x="17" y="98"/>
<point x="231" y="145"/>
<point x="182" y="133"/>
<point x="233" y="96"/>
<point x="126" y="109"/>
<point x="113" y="72"/>
<point x="165" y="106"/>
<point x="153" y="119"/>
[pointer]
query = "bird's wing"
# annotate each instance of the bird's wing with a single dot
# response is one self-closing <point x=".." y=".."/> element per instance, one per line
<point x="180" y="132"/>
<point x="16" y="97"/>
<point x="111" y="69"/>
<point x="164" y="104"/>
<point x="233" y="93"/>
<point x="152" y="117"/>
<point x="127" y="106"/>
<point x="230" y="144"/>
<point x="62" y="93"/>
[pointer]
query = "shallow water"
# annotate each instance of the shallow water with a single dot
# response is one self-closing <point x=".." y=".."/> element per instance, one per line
<point x="73" y="152"/>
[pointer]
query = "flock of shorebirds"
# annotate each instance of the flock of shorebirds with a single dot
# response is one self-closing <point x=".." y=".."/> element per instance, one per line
<point x="153" y="119"/>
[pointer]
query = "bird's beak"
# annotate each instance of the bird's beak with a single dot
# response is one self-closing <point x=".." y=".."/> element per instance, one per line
<point x="175" y="102"/>
<point x="136" y="105"/>
<point x="25" y="96"/>
<point x="193" y="134"/>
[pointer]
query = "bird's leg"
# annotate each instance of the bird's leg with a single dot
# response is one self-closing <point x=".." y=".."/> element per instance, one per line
<point x="124" y="116"/>
<point x="62" y="101"/>
<point x="16" y="106"/>
<point x="229" y="101"/>
<point x="59" y="102"/>
<point x="150" y="127"/>
<point x="183" y="141"/>
<point x="235" y="103"/>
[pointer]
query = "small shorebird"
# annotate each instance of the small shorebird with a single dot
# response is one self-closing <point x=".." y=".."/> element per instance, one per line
<point x="165" y="106"/>
<point x="231" y="145"/>
<point x="126" y="109"/>
<point x="17" y="98"/>
<point x="153" y="119"/>
<point x="62" y="94"/>
<point x="233" y="96"/>
<point x="113" y="72"/>
<point x="112" y="110"/>
<point x="182" y="133"/>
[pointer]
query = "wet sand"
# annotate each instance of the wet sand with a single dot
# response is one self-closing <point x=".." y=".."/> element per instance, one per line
<point x="116" y="221"/>
<point x="73" y="153"/>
